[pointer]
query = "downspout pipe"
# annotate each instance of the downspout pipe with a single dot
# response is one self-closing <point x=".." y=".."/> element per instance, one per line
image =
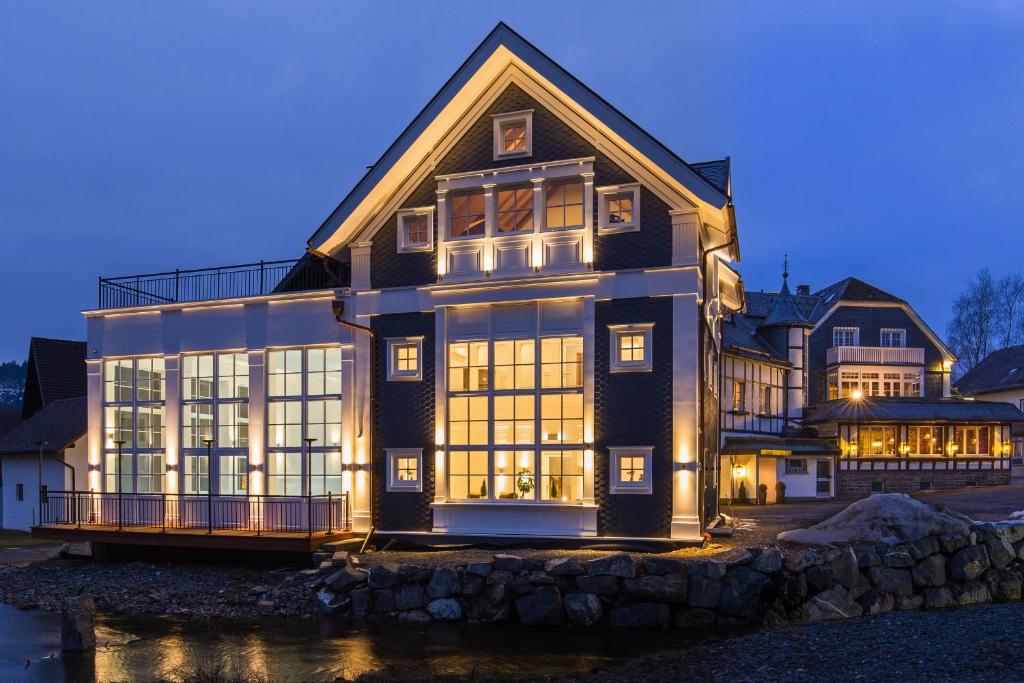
<point x="338" y="308"/>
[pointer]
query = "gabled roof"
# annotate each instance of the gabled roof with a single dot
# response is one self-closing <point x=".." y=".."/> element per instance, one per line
<point x="60" y="424"/>
<point x="499" y="49"/>
<point x="1001" y="370"/>
<point x="889" y="409"/>
<point x="56" y="370"/>
<point x="784" y="310"/>
<point x="852" y="289"/>
<point x="740" y="338"/>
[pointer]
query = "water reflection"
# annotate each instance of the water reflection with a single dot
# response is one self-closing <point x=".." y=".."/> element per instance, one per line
<point x="132" y="648"/>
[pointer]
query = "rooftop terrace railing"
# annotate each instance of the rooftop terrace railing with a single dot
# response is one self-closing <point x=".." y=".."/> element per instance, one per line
<point x="222" y="282"/>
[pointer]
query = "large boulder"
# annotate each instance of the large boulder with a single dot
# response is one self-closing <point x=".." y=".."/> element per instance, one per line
<point x="383" y="576"/>
<point x="362" y="602"/>
<point x="835" y="603"/>
<point x="876" y="602"/>
<point x="384" y="601"/>
<point x="741" y="592"/>
<point x="892" y="581"/>
<point x="1000" y="552"/>
<point x="445" y="609"/>
<point x="1004" y="585"/>
<point x="845" y="568"/>
<point x="791" y="589"/>
<point x="345" y="579"/>
<point x="491" y="604"/>
<point x="509" y="563"/>
<point x="329" y="603"/>
<point x="668" y="588"/>
<point x="969" y="563"/>
<point x="659" y="566"/>
<point x="582" y="609"/>
<point x="768" y="562"/>
<point x="930" y="571"/>
<point x="444" y="582"/>
<point x="563" y="566"/>
<point x="78" y="624"/>
<point x="543" y="606"/>
<point x="607" y="586"/>
<point x="640" y="615"/>
<point x="702" y="591"/>
<point x="974" y="593"/>
<point x="620" y="564"/>
<point x="410" y="597"/>
<point x="938" y="597"/>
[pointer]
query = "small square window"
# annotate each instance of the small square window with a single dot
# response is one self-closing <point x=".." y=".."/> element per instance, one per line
<point x="416" y="230"/>
<point x="619" y="208"/>
<point x="845" y="336"/>
<point x="631" y="347"/>
<point x="630" y="469"/>
<point x="893" y="337"/>
<point x="405" y="359"/>
<point x="513" y="134"/>
<point x="405" y="469"/>
<point x="796" y="466"/>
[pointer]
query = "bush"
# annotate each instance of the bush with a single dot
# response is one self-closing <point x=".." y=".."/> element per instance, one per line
<point x="741" y="495"/>
<point x="780" y="492"/>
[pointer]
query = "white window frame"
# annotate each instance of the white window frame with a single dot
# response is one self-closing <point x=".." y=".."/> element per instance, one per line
<point x="901" y="331"/>
<point x="404" y="246"/>
<point x="499" y="121"/>
<point x="606" y="193"/>
<point x="615" y="484"/>
<point x="396" y="375"/>
<point x="618" y="365"/>
<point x="795" y="471"/>
<point x="393" y="484"/>
<point x="856" y="335"/>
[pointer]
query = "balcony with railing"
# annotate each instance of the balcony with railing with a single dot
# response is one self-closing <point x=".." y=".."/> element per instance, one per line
<point x="875" y="355"/>
<point x="222" y="282"/>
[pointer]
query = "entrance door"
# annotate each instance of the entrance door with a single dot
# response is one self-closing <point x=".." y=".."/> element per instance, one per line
<point x="824" y="476"/>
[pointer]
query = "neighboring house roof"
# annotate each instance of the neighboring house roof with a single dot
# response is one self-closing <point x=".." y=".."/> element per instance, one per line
<point x="852" y="289"/>
<point x="56" y="370"/>
<point x="60" y="424"/>
<point x="1001" y="370"/>
<point x="785" y="311"/>
<point x="777" y="445"/>
<point x="889" y="409"/>
<point x="504" y="46"/>
<point x="715" y="172"/>
<point x="740" y="337"/>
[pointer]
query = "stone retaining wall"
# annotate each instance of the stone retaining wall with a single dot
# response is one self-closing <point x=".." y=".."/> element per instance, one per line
<point x="858" y="483"/>
<point x="761" y="586"/>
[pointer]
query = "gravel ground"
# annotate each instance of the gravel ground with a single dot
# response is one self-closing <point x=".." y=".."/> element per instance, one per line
<point x="980" y="643"/>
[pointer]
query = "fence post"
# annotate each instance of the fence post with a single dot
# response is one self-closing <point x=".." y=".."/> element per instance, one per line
<point x="261" y="277"/>
<point x="163" y="512"/>
<point x="177" y="284"/>
<point x="330" y="509"/>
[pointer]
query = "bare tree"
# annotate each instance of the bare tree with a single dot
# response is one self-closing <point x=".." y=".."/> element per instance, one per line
<point x="1010" y="301"/>
<point x="975" y="330"/>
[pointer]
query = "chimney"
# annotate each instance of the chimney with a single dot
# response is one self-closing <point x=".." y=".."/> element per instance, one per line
<point x="803" y="290"/>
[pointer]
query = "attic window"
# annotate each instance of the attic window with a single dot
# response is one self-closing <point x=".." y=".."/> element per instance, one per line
<point x="619" y="208"/>
<point x="513" y="134"/>
<point x="416" y="230"/>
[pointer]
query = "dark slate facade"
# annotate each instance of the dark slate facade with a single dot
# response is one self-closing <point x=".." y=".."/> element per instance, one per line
<point x="634" y="409"/>
<point x="870" y="320"/>
<point x="403" y="418"/>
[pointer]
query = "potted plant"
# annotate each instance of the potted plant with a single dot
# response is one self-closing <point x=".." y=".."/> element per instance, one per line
<point x="741" y="495"/>
<point x="483" y="489"/>
<point x="524" y="484"/>
<point x="553" y="489"/>
<point x="780" y="492"/>
<point x="762" y="494"/>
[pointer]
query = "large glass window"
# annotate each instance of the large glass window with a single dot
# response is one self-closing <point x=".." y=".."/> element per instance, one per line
<point x="563" y="205"/>
<point x="924" y="440"/>
<point x="495" y="428"/>
<point x="876" y="440"/>
<point x="972" y="440"/>
<point x="304" y="422"/>
<point x="234" y="475"/>
<point x="133" y="422"/>
<point x="515" y="209"/>
<point x="197" y="474"/>
<point x="467" y="214"/>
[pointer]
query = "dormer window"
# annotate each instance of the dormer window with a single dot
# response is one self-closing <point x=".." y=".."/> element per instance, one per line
<point x="513" y="134"/>
<point x="468" y="215"/>
<point x="563" y="205"/>
<point x="893" y="337"/>
<point x="416" y="230"/>
<point x="619" y="208"/>
<point x="845" y="336"/>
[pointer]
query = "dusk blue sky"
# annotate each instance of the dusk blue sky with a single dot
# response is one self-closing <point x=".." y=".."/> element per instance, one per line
<point x="881" y="140"/>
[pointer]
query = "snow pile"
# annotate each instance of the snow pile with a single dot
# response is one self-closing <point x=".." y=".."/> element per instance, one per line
<point x="882" y="518"/>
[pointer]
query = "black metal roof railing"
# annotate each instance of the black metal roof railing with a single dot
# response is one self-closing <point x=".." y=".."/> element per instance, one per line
<point x="221" y="282"/>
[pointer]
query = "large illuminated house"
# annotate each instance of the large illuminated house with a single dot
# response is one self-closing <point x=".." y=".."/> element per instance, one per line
<point x="846" y="392"/>
<point x="509" y="327"/>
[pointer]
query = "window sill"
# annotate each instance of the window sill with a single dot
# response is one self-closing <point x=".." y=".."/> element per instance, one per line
<point x="512" y="503"/>
<point x="618" y="369"/>
<point x="419" y="249"/>
<point x="614" y="230"/>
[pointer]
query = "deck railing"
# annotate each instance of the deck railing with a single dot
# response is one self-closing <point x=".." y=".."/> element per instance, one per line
<point x="221" y="282"/>
<point x="876" y="355"/>
<point x="160" y="512"/>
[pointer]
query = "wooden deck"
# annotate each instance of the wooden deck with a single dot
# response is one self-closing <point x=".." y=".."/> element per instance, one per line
<point x="219" y="539"/>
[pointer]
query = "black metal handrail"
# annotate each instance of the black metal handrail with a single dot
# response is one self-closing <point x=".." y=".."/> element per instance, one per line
<point x="162" y="511"/>
<point x="220" y="282"/>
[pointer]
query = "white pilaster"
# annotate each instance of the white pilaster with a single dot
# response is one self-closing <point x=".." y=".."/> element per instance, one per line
<point x="172" y="422"/>
<point x="257" y="421"/>
<point x="94" y="412"/>
<point x="440" y="406"/>
<point x="796" y="391"/>
<point x="685" y="404"/>
<point x="361" y="265"/>
<point x="685" y="236"/>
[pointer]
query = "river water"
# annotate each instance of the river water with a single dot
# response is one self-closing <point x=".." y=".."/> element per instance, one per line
<point x="147" y="648"/>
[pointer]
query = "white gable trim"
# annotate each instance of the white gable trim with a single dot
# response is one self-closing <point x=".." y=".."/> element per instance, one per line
<point x="502" y="50"/>
<point x="918" y="320"/>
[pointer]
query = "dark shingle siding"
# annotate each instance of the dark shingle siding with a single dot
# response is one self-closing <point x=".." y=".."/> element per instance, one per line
<point x="634" y="409"/>
<point x="403" y="418"/>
